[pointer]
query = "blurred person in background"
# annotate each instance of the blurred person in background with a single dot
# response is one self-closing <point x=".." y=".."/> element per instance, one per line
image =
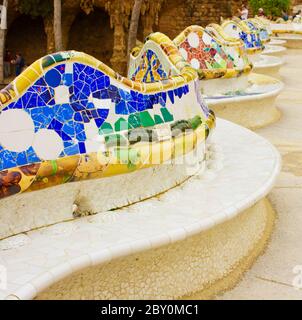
<point x="261" y="12"/>
<point x="243" y="13"/>
<point x="19" y="62"/>
<point x="7" y="63"/>
<point x="284" y="16"/>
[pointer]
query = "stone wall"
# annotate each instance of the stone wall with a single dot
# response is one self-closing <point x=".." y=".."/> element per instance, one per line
<point x="295" y="5"/>
<point x="98" y="40"/>
<point x="176" y="15"/>
<point x="27" y="36"/>
<point x="101" y="29"/>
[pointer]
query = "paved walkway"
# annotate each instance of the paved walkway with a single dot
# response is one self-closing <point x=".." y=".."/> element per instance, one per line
<point x="272" y="275"/>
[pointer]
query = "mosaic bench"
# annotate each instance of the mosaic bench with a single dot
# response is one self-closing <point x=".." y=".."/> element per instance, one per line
<point x="141" y="251"/>
<point x="266" y="23"/>
<point x="262" y="63"/>
<point x="236" y="94"/>
<point x="252" y="36"/>
<point x="70" y="118"/>
<point x="289" y="32"/>
<point x="224" y="73"/>
<point x="223" y="66"/>
<point x="209" y="56"/>
<point x="239" y="30"/>
<point x="194" y="241"/>
<point x="256" y="26"/>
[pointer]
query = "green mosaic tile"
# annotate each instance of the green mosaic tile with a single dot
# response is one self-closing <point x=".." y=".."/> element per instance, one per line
<point x="168" y="117"/>
<point x="217" y="65"/>
<point x="146" y="119"/>
<point x="158" y="119"/>
<point x="195" y="122"/>
<point x="134" y="120"/>
<point x="106" y="128"/>
<point x="121" y="125"/>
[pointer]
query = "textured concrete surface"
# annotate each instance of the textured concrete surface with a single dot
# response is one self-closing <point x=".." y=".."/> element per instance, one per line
<point x="278" y="273"/>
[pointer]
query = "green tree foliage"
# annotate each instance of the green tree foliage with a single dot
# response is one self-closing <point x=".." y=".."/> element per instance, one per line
<point x="271" y="7"/>
<point x="36" y="8"/>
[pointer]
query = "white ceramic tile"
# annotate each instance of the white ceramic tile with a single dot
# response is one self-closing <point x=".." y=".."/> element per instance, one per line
<point x="159" y="240"/>
<point x="80" y="262"/>
<point x="177" y="235"/>
<point x="61" y="271"/>
<point x="43" y="281"/>
<point x="48" y="144"/>
<point x="140" y="245"/>
<point x="62" y="95"/>
<point x="16" y="130"/>
<point x="26" y="292"/>
<point x="121" y="250"/>
<point x="102" y="256"/>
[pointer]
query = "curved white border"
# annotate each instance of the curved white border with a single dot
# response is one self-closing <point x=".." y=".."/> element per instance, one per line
<point x="276" y="42"/>
<point x="271" y="62"/>
<point x="32" y="288"/>
<point x="274" y="49"/>
<point x="255" y="97"/>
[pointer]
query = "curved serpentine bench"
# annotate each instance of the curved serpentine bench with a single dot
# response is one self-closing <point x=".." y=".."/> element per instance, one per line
<point x="271" y="48"/>
<point x="262" y="64"/>
<point x="275" y="50"/>
<point x="267" y="24"/>
<point x="256" y="26"/>
<point x="254" y="35"/>
<point x="197" y="238"/>
<point x="70" y="118"/>
<point x="240" y="31"/>
<point x="290" y="32"/>
<point x="240" y="96"/>
<point x="226" y="84"/>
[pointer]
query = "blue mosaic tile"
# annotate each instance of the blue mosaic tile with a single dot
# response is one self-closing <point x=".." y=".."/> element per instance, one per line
<point x="82" y="148"/>
<point x="53" y="78"/>
<point x="68" y="119"/>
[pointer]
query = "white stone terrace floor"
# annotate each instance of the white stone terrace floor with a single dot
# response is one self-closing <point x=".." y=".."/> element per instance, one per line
<point x="272" y="275"/>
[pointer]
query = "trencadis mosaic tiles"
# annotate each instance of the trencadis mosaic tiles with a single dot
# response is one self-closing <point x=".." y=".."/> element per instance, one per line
<point x="255" y="25"/>
<point x="69" y="117"/>
<point x="239" y="30"/>
<point x="205" y="53"/>
<point x="209" y="56"/>
<point x="233" y="47"/>
<point x="150" y="69"/>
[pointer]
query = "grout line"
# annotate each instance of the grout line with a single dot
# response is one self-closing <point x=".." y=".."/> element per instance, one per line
<point x="287" y="187"/>
<point x="274" y="281"/>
